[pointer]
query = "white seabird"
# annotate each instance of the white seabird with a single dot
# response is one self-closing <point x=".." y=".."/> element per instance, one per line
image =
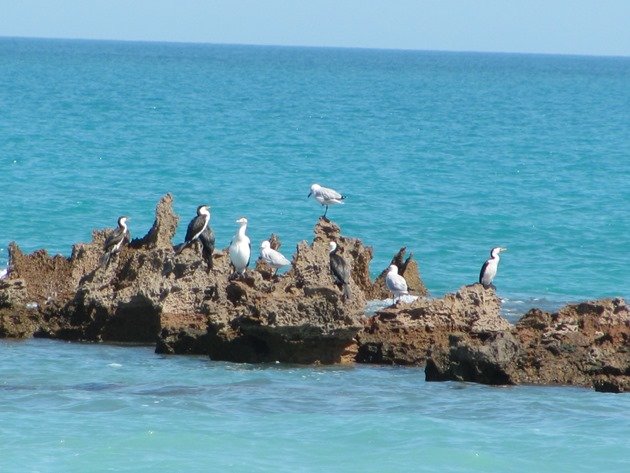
<point x="396" y="283"/>
<point x="273" y="258"/>
<point x="240" y="248"/>
<point x="490" y="267"/>
<point x="326" y="196"/>
<point x="115" y="240"/>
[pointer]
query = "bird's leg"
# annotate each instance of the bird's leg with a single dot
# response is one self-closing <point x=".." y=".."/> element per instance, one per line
<point x="326" y="211"/>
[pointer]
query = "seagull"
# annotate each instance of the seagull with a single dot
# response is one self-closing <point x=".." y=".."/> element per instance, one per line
<point x="325" y="196"/>
<point x="340" y="270"/>
<point x="273" y="258"/>
<point x="115" y="240"/>
<point x="240" y="248"/>
<point x="199" y="229"/>
<point x="489" y="268"/>
<point x="395" y="282"/>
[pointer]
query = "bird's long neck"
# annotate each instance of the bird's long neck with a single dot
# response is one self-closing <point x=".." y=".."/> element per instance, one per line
<point x="123" y="226"/>
<point x="241" y="231"/>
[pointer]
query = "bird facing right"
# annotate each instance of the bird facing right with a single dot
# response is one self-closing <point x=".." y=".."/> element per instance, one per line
<point x="115" y="240"/>
<point x="490" y="267"/>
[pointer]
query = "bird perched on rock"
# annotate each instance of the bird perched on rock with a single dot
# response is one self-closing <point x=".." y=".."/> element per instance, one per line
<point x="340" y="271"/>
<point x="273" y="258"/>
<point x="115" y="240"/>
<point x="240" y="248"/>
<point x="199" y="229"/>
<point x="207" y="246"/>
<point x="395" y="282"/>
<point x="490" y="267"/>
<point x="325" y="196"/>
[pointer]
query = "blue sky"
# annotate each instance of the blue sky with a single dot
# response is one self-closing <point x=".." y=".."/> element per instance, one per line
<point x="539" y="26"/>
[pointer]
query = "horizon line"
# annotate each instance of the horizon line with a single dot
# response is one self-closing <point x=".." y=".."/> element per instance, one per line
<point x="310" y="46"/>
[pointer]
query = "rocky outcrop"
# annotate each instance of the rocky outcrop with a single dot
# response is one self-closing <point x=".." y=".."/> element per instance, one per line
<point x="581" y="344"/>
<point x="404" y="334"/>
<point x="408" y="268"/>
<point x="586" y="344"/>
<point x="149" y="293"/>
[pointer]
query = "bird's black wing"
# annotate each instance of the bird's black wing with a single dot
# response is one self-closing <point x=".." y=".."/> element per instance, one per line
<point x="207" y="243"/>
<point x="250" y="255"/>
<point x="112" y="240"/>
<point x="341" y="272"/>
<point x="207" y="238"/>
<point x="339" y="269"/>
<point x="194" y="227"/>
<point x="483" y="270"/>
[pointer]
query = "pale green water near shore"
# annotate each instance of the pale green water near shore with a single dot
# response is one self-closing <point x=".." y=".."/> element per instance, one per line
<point x="76" y="408"/>
<point x="447" y="154"/>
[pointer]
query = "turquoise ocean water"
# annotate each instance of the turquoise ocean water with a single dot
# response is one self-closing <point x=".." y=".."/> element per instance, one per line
<point x="448" y="154"/>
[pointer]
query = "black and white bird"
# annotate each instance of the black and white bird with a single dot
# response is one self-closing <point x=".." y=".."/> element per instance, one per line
<point x="340" y="271"/>
<point x="240" y="248"/>
<point x="199" y="229"/>
<point x="273" y="258"/>
<point x="115" y="240"/>
<point x="490" y="267"/>
<point x="196" y="227"/>
<point x="326" y="196"/>
<point x="396" y="283"/>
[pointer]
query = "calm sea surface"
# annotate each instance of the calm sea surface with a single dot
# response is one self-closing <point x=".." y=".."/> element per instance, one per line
<point x="448" y="154"/>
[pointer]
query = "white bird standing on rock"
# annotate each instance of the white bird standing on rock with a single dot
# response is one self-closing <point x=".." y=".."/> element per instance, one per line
<point x="396" y="283"/>
<point x="115" y="240"/>
<point x="490" y="267"/>
<point x="273" y="258"/>
<point x="325" y="196"/>
<point x="240" y="248"/>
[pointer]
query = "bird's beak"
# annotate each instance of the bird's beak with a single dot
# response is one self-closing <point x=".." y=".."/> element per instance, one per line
<point x="309" y="194"/>
<point x="503" y="249"/>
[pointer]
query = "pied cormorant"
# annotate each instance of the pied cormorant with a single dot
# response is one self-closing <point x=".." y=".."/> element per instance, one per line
<point x="489" y="268"/>
<point x="340" y="271"/>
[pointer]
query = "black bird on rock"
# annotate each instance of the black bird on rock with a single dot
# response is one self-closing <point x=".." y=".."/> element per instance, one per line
<point x="115" y="240"/>
<point x="340" y="271"/>
<point x="207" y="245"/>
<point x="199" y="229"/>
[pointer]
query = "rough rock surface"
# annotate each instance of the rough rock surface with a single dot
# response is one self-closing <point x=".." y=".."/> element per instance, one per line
<point x="405" y="333"/>
<point x="148" y="293"/>
<point x="586" y="344"/>
<point x="408" y="268"/>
